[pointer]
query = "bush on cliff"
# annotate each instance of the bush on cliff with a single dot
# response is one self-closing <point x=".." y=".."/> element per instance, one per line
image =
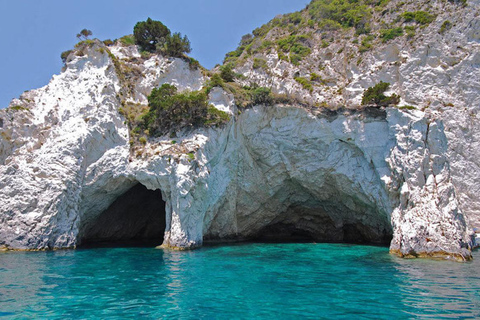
<point x="262" y="95"/>
<point x="149" y="33"/>
<point x="421" y="17"/>
<point x="375" y="96"/>
<point x="154" y="36"/>
<point x="226" y="72"/>
<point x="347" y="13"/>
<point x="170" y="110"/>
<point x="65" y="55"/>
<point x="175" y="45"/>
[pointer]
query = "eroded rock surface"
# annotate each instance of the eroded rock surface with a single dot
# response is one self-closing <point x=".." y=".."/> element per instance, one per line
<point x="404" y="177"/>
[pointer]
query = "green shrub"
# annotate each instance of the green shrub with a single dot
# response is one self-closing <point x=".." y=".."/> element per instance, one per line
<point x="193" y="63"/>
<point x="262" y="31"/>
<point x="262" y="95"/>
<point x="170" y="110"/>
<point x="64" y="55"/>
<point x="445" y="26"/>
<point x="154" y="36"/>
<point x="366" y="43"/>
<point x="215" y="81"/>
<point x="84" y="43"/>
<point x="216" y="116"/>
<point x="315" y="77"/>
<point x="306" y="84"/>
<point x="108" y="42"/>
<point x="346" y="13"/>
<point x="18" y="108"/>
<point x="389" y="34"/>
<point x="259" y="63"/>
<point x="150" y="33"/>
<point x="295" y="17"/>
<point x="175" y="45"/>
<point x="226" y="72"/>
<point x="295" y="59"/>
<point x="374" y="96"/>
<point x="408" y="16"/>
<point x="246" y="39"/>
<point x="267" y="44"/>
<point x="128" y="40"/>
<point x="145" y="55"/>
<point x="190" y="156"/>
<point x="294" y="45"/>
<point x="85" y="33"/>
<point x="421" y="17"/>
<point x="245" y="45"/>
<point x="143" y="140"/>
<point x="329" y="25"/>
<point x="410" y="30"/>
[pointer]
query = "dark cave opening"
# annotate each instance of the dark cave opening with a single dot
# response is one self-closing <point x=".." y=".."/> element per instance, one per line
<point x="135" y="218"/>
<point x="314" y="223"/>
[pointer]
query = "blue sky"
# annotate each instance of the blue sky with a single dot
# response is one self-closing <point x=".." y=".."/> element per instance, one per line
<point x="35" y="32"/>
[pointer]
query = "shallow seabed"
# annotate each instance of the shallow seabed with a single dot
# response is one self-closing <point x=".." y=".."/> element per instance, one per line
<point x="246" y="281"/>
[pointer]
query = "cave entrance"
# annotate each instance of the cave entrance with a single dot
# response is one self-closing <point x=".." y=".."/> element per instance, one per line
<point x="135" y="218"/>
<point x="332" y="214"/>
<point x="326" y="222"/>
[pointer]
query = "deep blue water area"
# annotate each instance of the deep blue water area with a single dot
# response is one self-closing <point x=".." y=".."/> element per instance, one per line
<point x="244" y="281"/>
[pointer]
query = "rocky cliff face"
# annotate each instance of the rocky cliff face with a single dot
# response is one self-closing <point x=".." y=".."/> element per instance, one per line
<point x="381" y="175"/>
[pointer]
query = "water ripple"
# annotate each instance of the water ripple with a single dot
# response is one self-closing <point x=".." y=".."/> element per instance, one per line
<point x="249" y="281"/>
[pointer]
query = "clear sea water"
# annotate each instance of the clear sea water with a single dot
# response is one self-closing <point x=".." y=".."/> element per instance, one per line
<point x="246" y="281"/>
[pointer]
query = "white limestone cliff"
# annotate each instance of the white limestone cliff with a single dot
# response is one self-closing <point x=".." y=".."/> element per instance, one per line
<point x="345" y="175"/>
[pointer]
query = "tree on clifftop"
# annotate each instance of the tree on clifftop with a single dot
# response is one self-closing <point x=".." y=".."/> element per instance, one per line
<point x="175" y="45"/>
<point x="150" y="33"/>
<point x="85" y="33"/>
<point x="154" y="36"/>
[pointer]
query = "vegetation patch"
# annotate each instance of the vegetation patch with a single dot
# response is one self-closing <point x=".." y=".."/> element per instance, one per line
<point x="407" y="107"/>
<point x="410" y="30"/>
<point x="421" y="17"/>
<point x="375" y="96"/>
<point x="389" y="34"/>
<point x="346" y="13"/>
<point x="316" y="78"/>
<point x="154" y="36"/>
<point x="108" y="42"/>
<point x="295" y="46"/>
<point x="366" y="44"/>
<point x="170" y="111"/>
<point x="260" y="63"/>
<point x="191" y="156"/>
<point x="18" y="108"/>
<point x="193" y="63"/>
<point x="245" y="42"/>
<point x="249" y="96"/>
<point x="261" y="95"/>
<point x="65" y="55"/>
<point x="446" y="25"/>
<point x="306" y="84"/>
<point x="127" y="40"/>
<point x="226" y="72"/>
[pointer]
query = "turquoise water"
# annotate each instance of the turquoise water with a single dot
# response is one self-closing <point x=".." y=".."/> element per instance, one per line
<point x="247" y="281"/>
